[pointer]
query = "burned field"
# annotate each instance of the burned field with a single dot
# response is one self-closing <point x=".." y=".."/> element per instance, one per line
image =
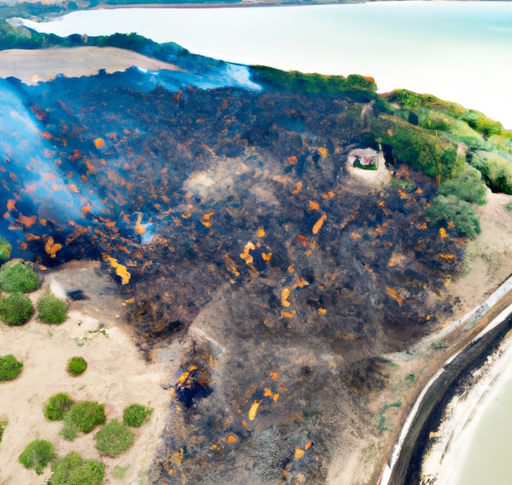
<point x="230" y="222"/>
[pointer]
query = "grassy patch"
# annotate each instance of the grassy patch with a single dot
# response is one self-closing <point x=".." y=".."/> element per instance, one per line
<point x="114" y="438"/>
<point x="77" y="365"/>
<point x="51" y="310"/>
<point x="3" y="425"/>
<point x="135" y="415"/>
<point x="358" y="164"/>
<point x="120" y="471"/>
<point x="438" y="344"/>
<point x="5" y="250"/>
<point x="9" y="367"/>
<point x="38" y="455"/>
<point x="410" y="379"/>
<point x="74" y="470"/>
<point x="392" y="365"/>
<point x="57" y="406"/>
<point x="496" y="170"/>
<point x="18" y="277"/>
<point x="15" y="309"/>
<point x="82" y="417"/>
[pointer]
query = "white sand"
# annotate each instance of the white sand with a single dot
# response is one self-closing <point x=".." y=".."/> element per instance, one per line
<point x="31" y="66"/>
<point x="116" y="376"/>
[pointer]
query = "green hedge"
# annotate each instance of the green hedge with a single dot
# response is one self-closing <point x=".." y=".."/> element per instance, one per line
<point x="15" y="309"/>
<point x="57" y="406"/>
<point x="10" y="367"/>
<point x="74" y="470"/>
<point x="114" y="438"/>
<point x="135" y="415"/>
<point x="51" y="310"/>
<point x="38" y="455"/>
<point x="82" y="417"/>
<point x="18" y="277"/>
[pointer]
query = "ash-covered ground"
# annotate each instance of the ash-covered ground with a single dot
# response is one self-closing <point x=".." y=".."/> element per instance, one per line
<point x="228" y="215"/>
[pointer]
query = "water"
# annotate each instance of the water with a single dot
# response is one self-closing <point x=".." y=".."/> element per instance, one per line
<point x="488" y="460"/>
<point x="456" y="50"/>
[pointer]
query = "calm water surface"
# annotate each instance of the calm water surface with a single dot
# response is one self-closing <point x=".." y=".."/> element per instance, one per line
<point x="456" y="50"/>
<point x="489" y="459"/>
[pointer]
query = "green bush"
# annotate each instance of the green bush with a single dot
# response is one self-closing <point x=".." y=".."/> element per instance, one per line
<point x="481" y="123"/>
<point x="18" y="277"/>
<point x="5" y="249"/>
<point x="74" y="470"/>
<point x="38" y="455"/>
<point x="114" y="438"/>
<point x="135" y="415"/>
<point x="3" y="425"/>
<point x="433" y="154"/>
<point x="82" y="417"/>
<point x="452" y="209"/>
<point x="57" y="406"/>
<point x="77" y="365"/>
<point x="467" y="185"/>
<point x="15" y="309"/>
<point x="358" y="164"/>
<point x="509" y="206"/>
<point x="51" y="310"/>
<point x="496" y="170"/>
<point x="9" y="367"/>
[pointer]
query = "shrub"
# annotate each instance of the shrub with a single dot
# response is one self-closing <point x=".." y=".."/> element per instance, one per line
<point x="77" y="365"/>
<point x="57" y="406"/>
<point x="74" y="470"/>
<point x="451" y="209"/>
<point x="9" y="367"/>
<point x="15" y="309"/>
<point x="3" y="425"/>
<point x="114" y="438"/>
<point x="51" y="310"/>
<point x="38" y="455"/>
<point x="135" y="415"/>
<point x="496" y="170"/>
<point x="481" y="123"/>
<point x="5" y="249"/>
<point x="509" y="206"/>
<point x="18" y="277"/>
<point x="82" y="417"/>
<point x="467" y="185"/>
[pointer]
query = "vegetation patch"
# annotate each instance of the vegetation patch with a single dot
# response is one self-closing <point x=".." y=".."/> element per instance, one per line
<point x="18" y="277"/>
<point x="51" y="310"/>
<point x="467" y="186"/>
<point x="509" y="206"/>
<point x="358" y="164"/>
<point x="135" y="415"/>
<point x="3" y="425"/>
<point x="120" y="471"/>
<point x="439" y="344"/>
<point x="496" y="170"/>
<point x="456" y="213"/>
<point x="15" y="309"/>
<point x="38" y="455"/>
<point x="9" y="367"/>
<point x="82" y="417"/>
<point x="77" y="365"/>
<point x="57" y="406"/>
<point x="114" y="438"/>
<point x="5" y="249"/>
<point x="74" y="470"/>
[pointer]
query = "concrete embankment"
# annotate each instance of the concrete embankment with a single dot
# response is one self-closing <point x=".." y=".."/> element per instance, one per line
<point x="494" y="317"/>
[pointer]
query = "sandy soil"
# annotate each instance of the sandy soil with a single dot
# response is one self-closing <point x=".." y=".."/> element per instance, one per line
<point x="31" y="66"/>
<point x="488" y="258"/>
<point x="117" y="376"/>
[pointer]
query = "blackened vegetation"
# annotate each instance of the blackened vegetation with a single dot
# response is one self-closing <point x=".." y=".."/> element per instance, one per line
<point x="241" y="200"/>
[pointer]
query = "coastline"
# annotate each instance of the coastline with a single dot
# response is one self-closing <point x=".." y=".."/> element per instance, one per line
<point x="503" y="293"/>
<point x="447" y="459"/>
